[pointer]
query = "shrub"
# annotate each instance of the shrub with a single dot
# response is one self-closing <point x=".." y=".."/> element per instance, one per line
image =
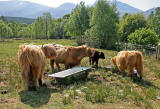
<point x="143" y="36"/>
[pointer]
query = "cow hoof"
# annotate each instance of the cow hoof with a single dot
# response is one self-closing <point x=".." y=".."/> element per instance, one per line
<point x="32" y="88"/>
<point x="140" y="78"/>
<point x="44" y="85"/>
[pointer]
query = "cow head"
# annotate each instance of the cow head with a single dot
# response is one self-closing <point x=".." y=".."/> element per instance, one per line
<point x="114" y="60"/>
<point x="101" y="55"/>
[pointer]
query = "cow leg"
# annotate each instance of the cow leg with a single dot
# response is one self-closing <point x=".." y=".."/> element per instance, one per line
<point x="90" y="60"/>
<point x="93" y="61"/>
<point x="122" y="69"/>
<point x="131" y="71"/>
<point x="58" y="66"/>
<point x="70" y="66"/>
<point x="52" y="64"/>
<point x="40" y="81"/>
<point x="33" y="78"/>
<point x="140" y="71"/>
<point x="67" y="66"/>
<point x="97" y="62"/>
<point x="41" y="77"/>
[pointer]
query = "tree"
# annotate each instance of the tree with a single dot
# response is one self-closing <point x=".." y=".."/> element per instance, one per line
<point x="103" y="24"/>
<point x="143" y="36"/>
<point x="5" y="30"/>
<point x="155" y="21"/>
<point x="78" y="22"/>
<point x="129" y="24"/>
<point x="39" y="28"/>
<point x="47" y="18"/>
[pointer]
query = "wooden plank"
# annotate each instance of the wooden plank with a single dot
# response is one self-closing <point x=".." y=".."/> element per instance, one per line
<point x="69" y="72"/>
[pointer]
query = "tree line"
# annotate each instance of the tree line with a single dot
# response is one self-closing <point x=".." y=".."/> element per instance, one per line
<point x="99" y="25"/>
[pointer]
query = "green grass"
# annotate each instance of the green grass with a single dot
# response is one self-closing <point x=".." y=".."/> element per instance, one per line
<point x="102" y="89"/>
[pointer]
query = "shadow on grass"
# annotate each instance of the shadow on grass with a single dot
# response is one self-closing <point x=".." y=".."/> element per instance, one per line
<point x="37" y="98"/>
<point x="140" y="82"/>
<point x="144" y="83"/>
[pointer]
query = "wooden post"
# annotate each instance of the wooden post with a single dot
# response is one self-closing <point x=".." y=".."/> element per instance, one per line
<point x="157" y="52"/>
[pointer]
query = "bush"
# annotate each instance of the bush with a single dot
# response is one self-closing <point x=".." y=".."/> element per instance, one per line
<point x="143" y="36"/>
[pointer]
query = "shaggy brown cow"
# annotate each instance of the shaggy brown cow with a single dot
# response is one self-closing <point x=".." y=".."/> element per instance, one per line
<point x="76" y="54"/>
<point x="95" y="57"/>
<point x="129" y="59"/>
<point x="50" y="52"/>
<point x="61" y="54"/>
<point x="32" y="61"/>
<point x="70" y="56"/>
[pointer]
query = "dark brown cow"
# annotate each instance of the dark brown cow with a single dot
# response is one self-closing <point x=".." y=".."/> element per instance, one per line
<point x="95" y="57"/>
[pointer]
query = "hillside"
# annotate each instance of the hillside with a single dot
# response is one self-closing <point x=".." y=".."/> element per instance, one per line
<point x="22" y="9"/>
<point x="16" y="8"/>
<point x="125" y="8"/>
<point x="148" y="12"/>
<point x="20" y="20"/>
<point x="63" y="9"/>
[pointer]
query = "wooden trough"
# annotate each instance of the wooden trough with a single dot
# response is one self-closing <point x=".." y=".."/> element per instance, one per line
<point x="72" y="74"/>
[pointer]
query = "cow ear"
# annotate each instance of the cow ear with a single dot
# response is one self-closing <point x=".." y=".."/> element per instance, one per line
<point x="42" y="46"/>
<point x="102" y="53"/>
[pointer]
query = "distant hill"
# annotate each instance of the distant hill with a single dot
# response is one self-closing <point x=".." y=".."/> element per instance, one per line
<point x="147" y="13"/>
<point x="16" y="8"/>
<point x="20" y="20"/>
<point x="63" y="9"/>
<point x="125" y="8"/>
<point x="27" y="9"/>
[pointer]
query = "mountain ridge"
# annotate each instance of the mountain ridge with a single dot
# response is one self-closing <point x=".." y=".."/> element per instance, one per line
<point x="26" y="9"/>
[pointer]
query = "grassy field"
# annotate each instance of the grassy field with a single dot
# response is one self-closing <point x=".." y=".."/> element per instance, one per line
<point x="101" y="90"/>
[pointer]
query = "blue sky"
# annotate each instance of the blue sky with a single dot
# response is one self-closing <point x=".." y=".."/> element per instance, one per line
<point x="140" y="4"/>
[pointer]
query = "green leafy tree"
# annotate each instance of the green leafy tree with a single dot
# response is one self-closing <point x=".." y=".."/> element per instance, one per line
<point x="39" y="28"/>
<point x="155" y="23"/>
<point x="47" y="19"/>
<point x="5" y="30"/>
<point x="78" y="22"/>
<point x="143" y="36"/>
<point x="103" y="22"/>
<point x="130" y="23"/>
